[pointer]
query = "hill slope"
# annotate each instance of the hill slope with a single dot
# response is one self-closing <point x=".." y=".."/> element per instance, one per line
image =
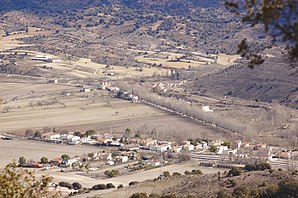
<point x="273" y="80"/>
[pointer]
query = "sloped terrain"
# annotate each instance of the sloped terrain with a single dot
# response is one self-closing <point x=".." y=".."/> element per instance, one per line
<point x="275" y="80"/>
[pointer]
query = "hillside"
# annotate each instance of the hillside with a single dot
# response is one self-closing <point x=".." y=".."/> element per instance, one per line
<point x="275" y="80"/>
<point x="250" y="184"/>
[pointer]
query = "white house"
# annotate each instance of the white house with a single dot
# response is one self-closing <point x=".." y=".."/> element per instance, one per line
<point x="71" y="161"/>
<point x="43" y="58"/>
<point x="86" y="90"/>
<point x="53" y="81"/>
<point x="51" y="136"/>
<point x="163" y="147"/>
<point x="123" y="159"/>
<point x="207" y="109"/>
<point x="177" y="149"/>
<point x="189" y="147"/>
<point x="221" y="149"/>
<point x="110" y="162"/>
<point x="74" y="140"/>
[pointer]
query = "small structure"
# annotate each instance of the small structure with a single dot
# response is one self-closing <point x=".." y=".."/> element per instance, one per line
<point x="207" y="109"/>
<point x="86" y="90"/>
<point x="53" y="81"/>
<point x="51" y="136"/>
<point x="43" y="58"/>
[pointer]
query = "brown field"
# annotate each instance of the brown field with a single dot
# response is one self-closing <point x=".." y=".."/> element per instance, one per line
<point x="39" y="105"/>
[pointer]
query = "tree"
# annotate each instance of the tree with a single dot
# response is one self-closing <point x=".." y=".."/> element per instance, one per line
<point x="138" y="135"/>
<point x="23" y="183"/>
<point x="91" y="155"/>
<point x="77" y="134"/>
<point x="241" y="192"/>
<point x="29" y="133"/>
<point x="110" y="185"/>
<point x="279" y="17"/>
<point x="288" y="188"/>
<point x="37" y="135"/>
<point x="228" y="144"/>
<point x="65" y="157"/>
<point x="139" y="195"/>
<point x="44" y="160"/>
<point x="90" y="133"/>
<point x="213" y="148"/>
<point x="22" y="161"/>
<point x="222" y="194"/>
<point x="235" y="171"/>
<point x="76" y="186"/>
<point x="112" y="173"/>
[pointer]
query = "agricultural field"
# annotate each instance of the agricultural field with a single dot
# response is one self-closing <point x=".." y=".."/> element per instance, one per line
<point x="32" y="150"/>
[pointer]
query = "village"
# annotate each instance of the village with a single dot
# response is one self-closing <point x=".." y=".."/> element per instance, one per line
<point x="140" y="152"/>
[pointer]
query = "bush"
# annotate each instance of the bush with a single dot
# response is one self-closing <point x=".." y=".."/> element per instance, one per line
<point x="110" y="185"/>
<point x="176" y="174"/>
<point x="99" y="187"/>
<point x="133" y="183"/>
<point x="257" y="167"/>
<point x="112" y="173"/>
<point x="166" y="174"/>
<point x="196" y="172"/>
<point x="76" y="186"/>
<point x="139" y="195"/>
<point x="154" y="195"/>
<point x="120" y="186"/>
<point x="295" y="172"/>
<point x="235" y="171"/>
<point x="212" y="148"/>
<point x="241" y="191"/>
<point x="65" y="184"/>
<point x="187" y="173"/>
<point x="222" y="194"/>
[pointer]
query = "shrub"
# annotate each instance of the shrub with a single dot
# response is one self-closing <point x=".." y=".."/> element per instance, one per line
<point x="222" y="194"/>
<point x="166" y="174"/>
<point x="196" y="172"/>
<point x="65" y="184"/>
<point x="112" y="173"/>
<point x="231" y="182"/>
<point x="235" y="171"/>
<point x="154" y="195"/>
<point x="213" y="148"/>
<point x="99" y="187"/>
<point x="120" y="186"/>
<point x="241" y="191"/>
<point x="139" y="195"/>
<point x="110" y="185"/>
<point x="133" y="183"/>
<point x="176" y="174"/>
<point x="187" y="173"/>
<point x="76" y="186"/>
<point x="257" y="167"/>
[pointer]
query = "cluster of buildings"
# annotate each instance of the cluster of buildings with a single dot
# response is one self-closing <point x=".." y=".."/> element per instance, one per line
<point x="249" y="152"/>
<point x="129" y="148"/>
<point x="165" y="87"/>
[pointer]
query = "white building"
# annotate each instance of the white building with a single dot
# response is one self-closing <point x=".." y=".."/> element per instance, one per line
<point x="207" y="109"/>
<point x="43" y="58"/>
<point x="74" y="140"/>
<point x="52" y="136"/>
